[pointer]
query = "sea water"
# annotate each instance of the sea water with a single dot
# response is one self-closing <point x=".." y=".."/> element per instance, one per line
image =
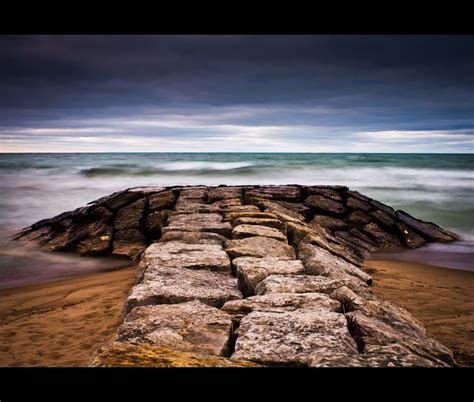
<point x="432" y="187"/>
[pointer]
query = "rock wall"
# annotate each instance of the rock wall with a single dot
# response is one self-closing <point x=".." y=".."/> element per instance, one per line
<point x="266" y="274"/>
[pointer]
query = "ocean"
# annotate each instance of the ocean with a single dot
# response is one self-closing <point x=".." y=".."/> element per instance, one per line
<point x="433" y="187"/>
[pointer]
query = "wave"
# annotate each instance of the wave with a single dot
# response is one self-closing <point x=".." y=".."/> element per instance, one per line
<point x="26" y="166"/>
<point x="187" y="166"/>
<point x="169" y="168"/>
<point x="102" y="171"/>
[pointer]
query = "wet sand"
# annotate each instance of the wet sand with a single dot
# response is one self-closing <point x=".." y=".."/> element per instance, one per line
<point x="61" y="323"/>
<point x="441" y="298"/>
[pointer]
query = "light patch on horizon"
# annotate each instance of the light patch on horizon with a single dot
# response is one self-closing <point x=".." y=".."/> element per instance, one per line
<point x="233" y="138"/>
<point x="59" y="131"/>
<point x="419" y="134"/>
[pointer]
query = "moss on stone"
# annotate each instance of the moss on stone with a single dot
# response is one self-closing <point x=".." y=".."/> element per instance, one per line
<point x="121" y="354"/>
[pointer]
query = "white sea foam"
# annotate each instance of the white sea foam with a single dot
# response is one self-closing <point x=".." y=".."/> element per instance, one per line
<point x="187" y="166"/>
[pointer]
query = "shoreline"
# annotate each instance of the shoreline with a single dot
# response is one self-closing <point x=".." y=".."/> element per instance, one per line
<point x="57" y="279"/>
<point x="441" y="298"/>
<point x="63" y="322"/>
<point x="456" y="255"/>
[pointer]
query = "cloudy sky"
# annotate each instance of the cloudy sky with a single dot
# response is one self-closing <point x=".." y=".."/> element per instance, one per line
<point x="237" y="93"/>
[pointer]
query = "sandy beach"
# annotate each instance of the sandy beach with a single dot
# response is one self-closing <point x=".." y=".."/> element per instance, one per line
<point x="61" y="323"/>
<point x="441" y="298"/>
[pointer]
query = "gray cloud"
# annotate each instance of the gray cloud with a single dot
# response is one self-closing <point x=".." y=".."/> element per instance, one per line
<point x="236" y="91"/>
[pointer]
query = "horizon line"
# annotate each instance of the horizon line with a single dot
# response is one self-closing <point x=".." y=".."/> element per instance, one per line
<point x="233" y="152"/>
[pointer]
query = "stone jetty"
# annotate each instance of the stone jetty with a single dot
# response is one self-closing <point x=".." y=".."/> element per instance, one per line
<point x="251" y="275"/>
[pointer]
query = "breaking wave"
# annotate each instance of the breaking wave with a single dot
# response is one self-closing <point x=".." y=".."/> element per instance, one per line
<point x="168" y="168"/>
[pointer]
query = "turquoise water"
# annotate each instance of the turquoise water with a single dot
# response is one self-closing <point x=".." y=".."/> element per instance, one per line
<point x="433" y="187"/>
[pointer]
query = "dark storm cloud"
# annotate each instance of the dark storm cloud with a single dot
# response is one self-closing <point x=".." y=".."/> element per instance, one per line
<point x="201" y="87"/>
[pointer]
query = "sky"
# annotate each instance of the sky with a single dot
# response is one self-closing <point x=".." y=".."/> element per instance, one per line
<point x="194" y="93"/>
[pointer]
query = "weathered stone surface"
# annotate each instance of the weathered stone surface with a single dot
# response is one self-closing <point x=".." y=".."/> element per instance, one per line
<point x="331" y="359"/>
<point x="355" y="203"/>
<point x="193" y="237"/>
<point x="93" y="215"/>
<point x="298" y="284"/>
<point x="259" y="247"/>
<point x="289" y="338"/>
<point x="326" y="192"/>
<point x="328" y="222"/>
<point x="39" y="236"/>
<point x="128" y="243"/>
<point x="64" y="235"/>
<point x="281" y="193"/>
<point x="336" y="187"/>
<point x="359" y="246"/>
<point x="163" y="200"/>
<point x="59" y="238"/>
<point x="282" y="213"/>
<point x="191" y="326"/>
<point x="211" y="222"/>
<point x="381" y="238"/>
<point x="169" y="285"/>
<point x="98" y="239"/>
<point x="88" y="232"/>
<point x="349" y="300"/>
<point x="222" y="193"/>
<point x="302" y="232"/>
<point x="318" y="261"/>
<point x="124" y="354"/>
<point x="251" y="271"/>
<point x="184" y="255"/>
<point x="249" y="209"/>
<point x="156" y="220"/>
<point x="382" y="219"/>
<point x="384" y="208"/>
<point x="271" y="223"/>
<point x="297" y="231"/>
<point x="280" y="303"/>
<point x="130" y="217"/>
<point x="410" y="238"/>
<point x="244" y="231"/>
<point x="371" y="304"/>
<point x="426" y="229"/>
<point x="358" y="196"/>
<point x="297" y="207"/>
<point x="190" y="208"/>
<point x="324" y="205"/>
<point x="178" y="218"/>
<point x="120" y="200"/>
<point x="357" y="219"/>
<point x="249" y="214"/>
<point x="356" y="233"/>
<point x="195" y="193"/>
<point x="225" y="205"/>
<point x="221" y="228"/>
<point x="354" y="241"/>
<point x="374" y="331"/>
<point x="227" y="202"/>
<point x="222" y="206"/>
